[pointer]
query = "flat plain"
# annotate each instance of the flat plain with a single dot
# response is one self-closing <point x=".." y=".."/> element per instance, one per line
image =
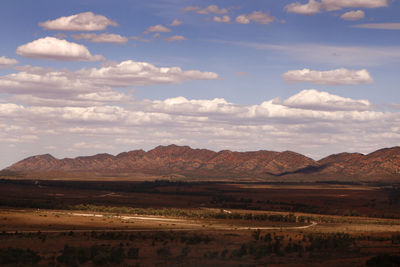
<point x="166" y="223"/>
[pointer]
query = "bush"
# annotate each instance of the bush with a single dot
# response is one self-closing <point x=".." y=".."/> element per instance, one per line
<point x="164" y="252"/>
<point x="19" y="256"/>
<point x="133" y="253"/>
<point x="384" y="260"/>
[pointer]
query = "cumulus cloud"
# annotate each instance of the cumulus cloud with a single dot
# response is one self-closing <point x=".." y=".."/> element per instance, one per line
<point x="379" y="26"/>
<point x="331" y="5"/>
<point x="157" y="28"/>
<point x="223" y="19"/>
<point x="86" y="21"/>
<point x="331" y="77"/>
<point x="313" y="6"/>
<point x="7" y="62"/>
<point x="353" y="15"/>
<point x="56" y="49"/>
<point x="132" y="73"/>
<point x="39" y="86"/>
<point x="315" y="100"/>
<point x="175" y="38"/>
<point x="101" y="38"/>
<point x="176" y="22"/>
<point x="211" y="9"/>
<point x="256" y="16"/>
<point x="310" y="8"/>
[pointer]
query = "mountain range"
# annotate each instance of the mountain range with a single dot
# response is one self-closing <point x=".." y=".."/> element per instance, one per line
<point x="183" y="162"/>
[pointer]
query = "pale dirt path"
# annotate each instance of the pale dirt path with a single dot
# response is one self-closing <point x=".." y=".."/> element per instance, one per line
<point x="187" y="225"/>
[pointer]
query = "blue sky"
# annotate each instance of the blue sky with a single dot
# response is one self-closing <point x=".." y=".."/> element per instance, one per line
<point x="83" y="77"/>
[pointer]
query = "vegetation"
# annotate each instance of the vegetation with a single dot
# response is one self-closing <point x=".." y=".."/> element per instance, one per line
<point x="18" y="256"/>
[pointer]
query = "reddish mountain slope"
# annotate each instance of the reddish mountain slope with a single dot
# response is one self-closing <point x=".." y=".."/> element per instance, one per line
<point x="381" y="163"/>
<point x="185" y="161"/>
<point x="173" y="159"/>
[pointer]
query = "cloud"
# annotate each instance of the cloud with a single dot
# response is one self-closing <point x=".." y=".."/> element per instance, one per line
<point x="86" y="21"/>
<point x="315" y="100"/>
<point x="332" y="77"/>
<point x="90" y="86"/>
<point x="313" y="6"/>
<point x="56" y="49"/>
<point x="331" y="54"/>
<point x="175" y="38"/>
<point x="331" y="5"/>
<point x="7" y="62"/>
<point x="131" y="73"/>
<point x="140" y="39"/>
<point x="176" y="22"/>
<point x="353" y="15"/>
<point x="101" y="38"/>
<point x="256" y="16"/>
<point x="379" y="26"/>
<point x="211" y="9"/>
<point x="223" y="19"/>
<point x="313" y="122"/>
<point x="157" y="28"/>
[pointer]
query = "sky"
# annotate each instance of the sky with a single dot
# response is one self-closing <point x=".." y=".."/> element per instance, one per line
<point x="82" y="77"/>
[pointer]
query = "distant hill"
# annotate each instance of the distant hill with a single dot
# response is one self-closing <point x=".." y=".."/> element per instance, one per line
<point x="184" y="162"/>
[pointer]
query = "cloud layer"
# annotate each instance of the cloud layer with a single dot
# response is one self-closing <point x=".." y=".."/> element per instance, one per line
<point x="331" y="77"/>
<point x="379" y="26"/>
<point x="257" y="16"/>
<point x="312" y="122"/>
<point x="101" y="38"/>
<point x="7" y="62"/>
<point x="56" y="49"/>
<point x="314" y="6"/>
<point x="86" y="21"/>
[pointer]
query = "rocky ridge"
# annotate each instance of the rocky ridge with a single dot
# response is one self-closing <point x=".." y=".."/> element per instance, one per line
<point x="187" y="162"/>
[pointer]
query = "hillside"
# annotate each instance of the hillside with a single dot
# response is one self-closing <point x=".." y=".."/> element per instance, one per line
<point x="185" y="162"/>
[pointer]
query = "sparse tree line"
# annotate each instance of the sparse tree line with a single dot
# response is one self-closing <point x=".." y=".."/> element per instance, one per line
<point x="178" y="246"/>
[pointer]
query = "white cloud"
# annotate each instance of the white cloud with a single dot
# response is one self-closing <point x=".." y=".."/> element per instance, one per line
<point x="39" y="86"/>
<point x="379" y="26"/>
<point x="331" y="5"/>
<point x="331" y="77"/>
<point x="101" y="38"/>
<point x="175" y="38"/>
<point x="211" y="9"/>
<point x="157" y="28"/>
<point x="86" y="21"/>
<point x="353" y="15"/>
<point x="92" y="145"/>
<point x="56" y="49"/>
<point x="223" y="19"/>
<point x="313" y="6"/>
<point x="181" y="105"/>
<point x="7" y="62"/>
<point x="176" y="22"/>
<point x="315" y="100"/>
<point x="256" y="16"/>
<point x="132" y="73"/>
